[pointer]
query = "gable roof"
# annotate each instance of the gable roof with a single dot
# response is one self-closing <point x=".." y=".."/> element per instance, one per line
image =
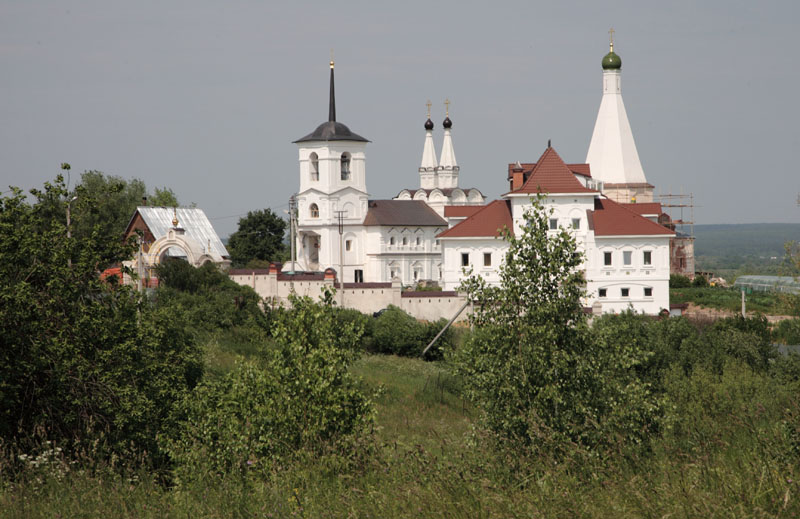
<point x="551" y="175"/>
<point x="578" y="169"/>
<point x="613" y="219"/>
<point x="461" y="211"/>
<point x="401" y="212"/>
<point x="192" y="219"/>
<point x="487" y="222"/>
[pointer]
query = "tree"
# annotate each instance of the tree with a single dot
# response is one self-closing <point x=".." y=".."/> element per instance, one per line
<point x="82" y="359"/>
<point x="260" y="237"/>
<point x="112" y="202"/>
<point x="531" y="365"/>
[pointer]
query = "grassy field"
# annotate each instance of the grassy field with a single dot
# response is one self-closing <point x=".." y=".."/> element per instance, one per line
<point x="767" y="303"/>
<point x="425" y="460"/>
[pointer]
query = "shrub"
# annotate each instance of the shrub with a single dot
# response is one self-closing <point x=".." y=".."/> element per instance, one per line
<point x="699" y="281"/>
<point x="398" y="333"/>
<point x="787" y="331"/>
<point x="679" y="281"/>
<point x="300" y="400"/>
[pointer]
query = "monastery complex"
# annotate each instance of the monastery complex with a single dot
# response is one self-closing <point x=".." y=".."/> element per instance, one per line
<point x="434" y="233"/>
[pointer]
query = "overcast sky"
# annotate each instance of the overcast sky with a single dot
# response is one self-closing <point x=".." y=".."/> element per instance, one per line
<point x="206" y="97"/>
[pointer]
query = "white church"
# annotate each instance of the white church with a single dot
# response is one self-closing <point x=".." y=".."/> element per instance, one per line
<point x="434" y="232"/>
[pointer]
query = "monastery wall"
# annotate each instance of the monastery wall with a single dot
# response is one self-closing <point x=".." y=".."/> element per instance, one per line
<point x="368" y="298"/>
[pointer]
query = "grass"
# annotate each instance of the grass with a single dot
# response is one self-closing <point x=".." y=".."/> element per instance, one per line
<point x="426" y="460"/>
<point x="731" y="299"/>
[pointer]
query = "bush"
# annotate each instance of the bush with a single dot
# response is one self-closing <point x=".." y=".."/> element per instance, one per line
<point x="208" y="297"/>
<point x="300" y="400"/>
<point x="679" y="281"/>
<point x="397" y="333"/>
<point x="700" y="281"/>
<point x="787" y="332"/>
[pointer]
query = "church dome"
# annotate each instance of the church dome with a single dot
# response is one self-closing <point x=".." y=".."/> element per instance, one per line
<point x="429" y="124"/>
<point x="332" y="131"/>
<point x="447" y="123"/>
<point x="612" y="61"/>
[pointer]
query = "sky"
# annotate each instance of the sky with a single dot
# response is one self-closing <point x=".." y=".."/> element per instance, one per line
<point x="205" y="97"/>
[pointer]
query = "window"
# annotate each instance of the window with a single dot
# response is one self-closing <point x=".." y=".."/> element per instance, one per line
<point x="392" y="274"/>
<point x="359" y="276"/>
<point x="602" y="292"/>
<point x="405" y="240"/>
<point x="345" y="166"/>
<point x="418" y="240"/>
<point x="313" y="166"/>
<point x="313" y="210"/>
<point x="391" y="240"/>
<point x="625" y="292"/>
<point x="648" y="292"/>
<point x="437" y="243"/>
<point x="627" y="257"/>
<point x="553" y="224"/>
<point x="576" y="223"/>
<point x="416" y="274"/>
<point x="348" y="244"/>
<point x="648" y="257"/>
<point x="465" y="259"/>
<point x="487" y="259"/>
<point x="607" y="259"/>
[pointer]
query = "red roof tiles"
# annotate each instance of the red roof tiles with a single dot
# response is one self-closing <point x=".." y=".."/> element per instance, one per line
<point x="461" y="211"/>
<point x="487" y="222"/>
<point x="612" y="219"/>
<point x="551" y="175"/>
<point x="644" y="208"/>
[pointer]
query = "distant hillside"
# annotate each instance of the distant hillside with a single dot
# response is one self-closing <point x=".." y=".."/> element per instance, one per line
<point x="731" y="250"/>
<point x="757" y="240"/>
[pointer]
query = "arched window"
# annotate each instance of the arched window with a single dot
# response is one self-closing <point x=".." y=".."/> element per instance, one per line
<point x="314" y="211"/>
<point x="345" y="166"/>
<point x="313" y="166"/>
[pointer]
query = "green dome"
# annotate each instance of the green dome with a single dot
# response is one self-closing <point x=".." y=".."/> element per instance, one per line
<point x="612" y="62"/>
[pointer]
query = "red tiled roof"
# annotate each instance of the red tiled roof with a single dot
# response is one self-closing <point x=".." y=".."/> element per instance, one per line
<point x="489" y="221"/>
<point x="579" y="169"/>
<point x="401" y="212"/>
<point x="644" y="208"/>
<point x="461" y="211"/>
<point x="551" y="175"/>
<point x="612" y="219"/>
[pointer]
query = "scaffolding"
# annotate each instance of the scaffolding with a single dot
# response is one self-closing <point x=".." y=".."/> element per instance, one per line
<point x="680" y="204"/>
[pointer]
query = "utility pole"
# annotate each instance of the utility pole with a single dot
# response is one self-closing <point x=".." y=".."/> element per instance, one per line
<point x="340" y="216"/>
<point x="66" y="167"/>
<point x="293" y="230"/>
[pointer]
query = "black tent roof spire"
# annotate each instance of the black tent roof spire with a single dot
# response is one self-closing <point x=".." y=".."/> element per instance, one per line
<point x="331" y="130"/>
<point x="332" y="101"/>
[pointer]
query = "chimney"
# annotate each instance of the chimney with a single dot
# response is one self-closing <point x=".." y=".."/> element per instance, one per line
<point x="144" y="201"/>
<point x="517" y="176"/>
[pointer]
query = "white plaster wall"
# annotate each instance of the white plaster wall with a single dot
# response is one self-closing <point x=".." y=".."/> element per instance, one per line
<point x="453" y="271"/>
<point x="382" y="253"/>
<point x="636" y="276"/>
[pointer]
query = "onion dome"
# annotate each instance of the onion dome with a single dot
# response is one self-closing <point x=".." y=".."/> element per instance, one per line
<point x="447" y="123"/>
<point x="429" y="124"/>
<point x="612" y="61"/>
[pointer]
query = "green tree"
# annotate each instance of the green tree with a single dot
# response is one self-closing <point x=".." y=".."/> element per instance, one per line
<point x="82" y="360"/>
<point x="531" y="364"/>
<point x="299" y="400"/>
<point x="112" y="201"/>
<point x="259" y="237"/>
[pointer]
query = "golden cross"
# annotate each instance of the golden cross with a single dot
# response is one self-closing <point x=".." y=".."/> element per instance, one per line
<point x="447" y="108"/>
<point x="428" y="104"/>
<point x="611" y="37"/>
<point x="331" y="57"/>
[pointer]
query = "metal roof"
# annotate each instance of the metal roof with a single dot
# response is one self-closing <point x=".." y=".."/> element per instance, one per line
<point x="191" y="219"/>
